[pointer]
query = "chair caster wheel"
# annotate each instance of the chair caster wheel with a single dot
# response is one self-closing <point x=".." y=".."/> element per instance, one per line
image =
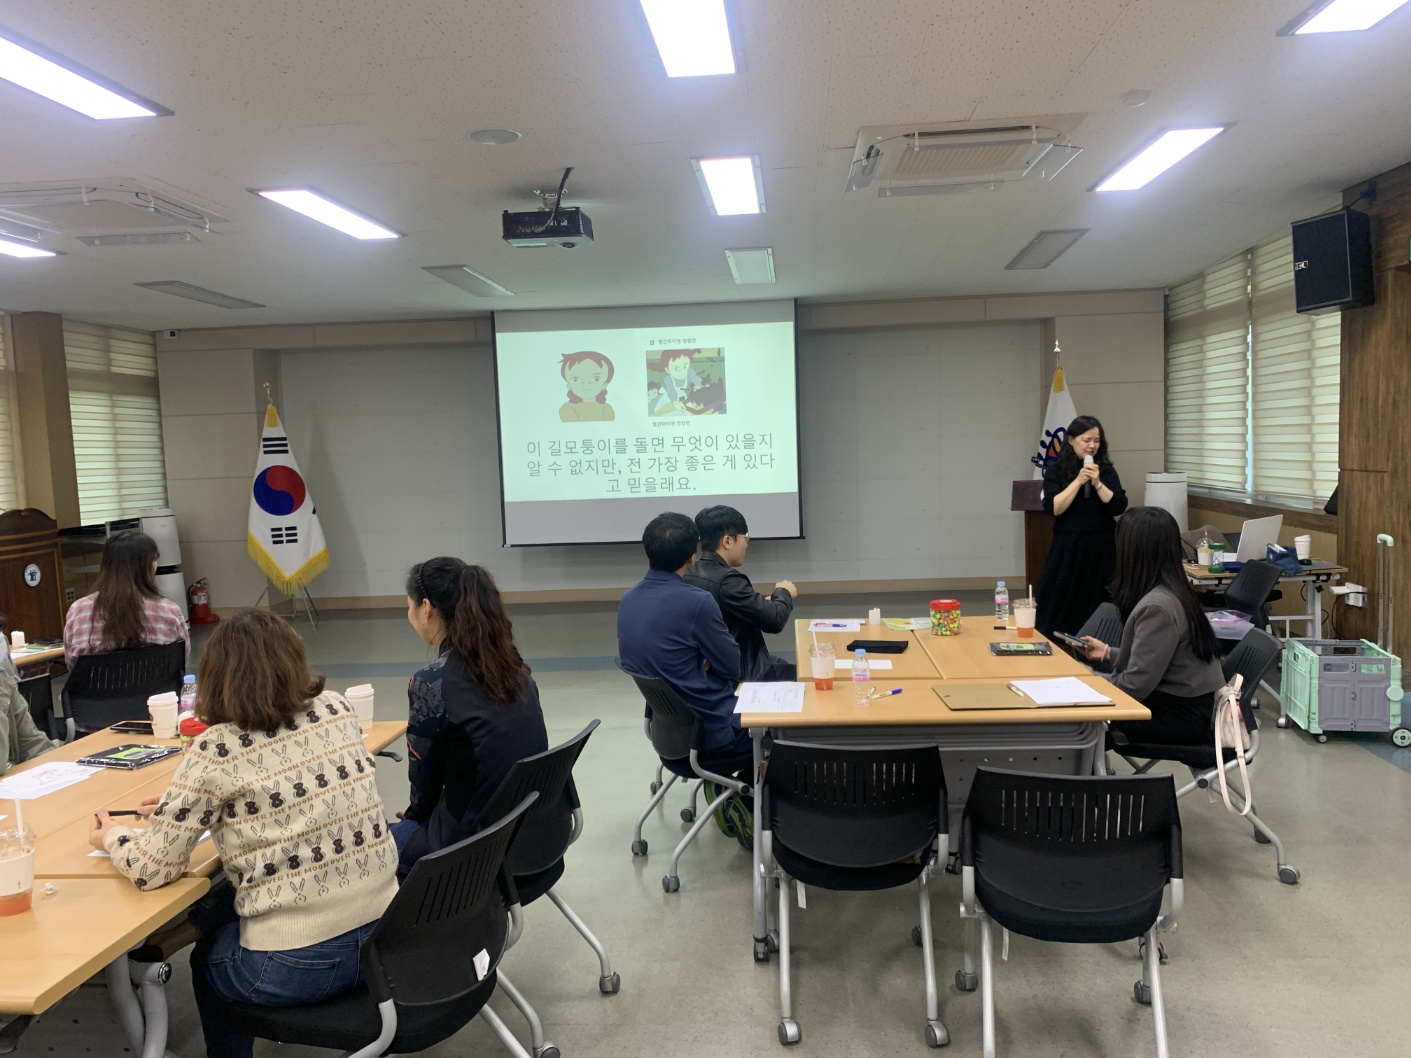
<point x="549" y="1050"/>
<point x="761" y="951"/>
<point x="639" y="848"/>
<point x="687" y="816"/>
<point x="610" y="984"/>
<point x="789" y="1031"/>
<point x="966" y="982"/>
<point x="1260" y="837"/>
<point x="670" y="884"/>
<point x="1322" y="739"/>
<point x="916" y="935"/>
<point x="936" y="1034"/>
<point x="1142" y="993"/>
<point x="1282" y="722"/>
<point x="655" y="786"/>
<point x="953" y="863"/>
<point x="1401" y="737"/>
<point x="1289" y="875"/>
<point x="771" y="940"/>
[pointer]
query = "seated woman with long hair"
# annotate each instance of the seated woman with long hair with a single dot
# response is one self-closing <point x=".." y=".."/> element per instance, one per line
<point x="285" y="785"/>
<point x="471" y="713"/>
<point x="1168" y="659"/>
<point x="125" y="609"/>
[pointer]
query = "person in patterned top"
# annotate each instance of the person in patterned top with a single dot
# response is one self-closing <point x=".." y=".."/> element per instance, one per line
<point x="125" y="609"/>
<point x="286" y="788"/>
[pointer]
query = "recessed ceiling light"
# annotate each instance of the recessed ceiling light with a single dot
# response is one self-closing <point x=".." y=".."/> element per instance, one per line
<point x="692" y="36"/>
<point x="1341" y="16"/>
<point x="1168" y="149"/>
<point x="318" y="207"/>
<point x="1136" y="97"/>
<point x="49" y="74"/>
<point x="24" y="249"/>
<point x="195" y="293"/>
<point x="494" y="136"/>
<point x="732" y="186"/>
<point x="751" y="266"/>
<point x="1045" y="248"/>
<point x="469" y="280"/>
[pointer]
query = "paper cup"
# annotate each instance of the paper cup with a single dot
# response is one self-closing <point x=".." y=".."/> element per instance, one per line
<point x="874" y="616"/>
<point x="1303" y="546"/>
<point x="17" y="639"/>
<point x="361" y="698"/>
<point x="1024" y="616"/>
<point x="162" y="708"/>
<point x="821" y="657"/>
<point x="16" y="879"/>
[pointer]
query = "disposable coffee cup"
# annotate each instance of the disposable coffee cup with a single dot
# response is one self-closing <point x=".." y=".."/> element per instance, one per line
<point x="874" y="615"/>
<point x="16" y="871"/>
<point x="17" y="639"/>
<point x="1303" y="546"/>
<point x="360" y="698"/>
<point x="1024" y="616"/>
<point x="162" y="708"/>
<point x="822" y="657"/>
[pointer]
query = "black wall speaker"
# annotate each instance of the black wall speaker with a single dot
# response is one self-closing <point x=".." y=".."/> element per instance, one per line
<point x="1332" y="261"/>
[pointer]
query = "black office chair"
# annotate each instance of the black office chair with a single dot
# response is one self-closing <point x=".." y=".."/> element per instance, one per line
<point x="104" y="689"/>
<point x="675" y="733"/>
<point x="1252" y="658"/>
<point x="1104" y="624"/>
<point x="1250" y="592"/>
<point x="1074" y="860"/>
<point x="38" y="691"/>
<point x="421" y="984"/>
<point x="854" y="819"/>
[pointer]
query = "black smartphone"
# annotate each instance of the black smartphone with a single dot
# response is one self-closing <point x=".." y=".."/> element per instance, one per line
<point x="133" y="727"/>
<point x="1072" y="641"/>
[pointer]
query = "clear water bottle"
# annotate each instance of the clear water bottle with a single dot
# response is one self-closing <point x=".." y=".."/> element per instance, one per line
<point x="186" y="704"/>
<point x="1001" y="603"/>
<point x="861" y="677"/>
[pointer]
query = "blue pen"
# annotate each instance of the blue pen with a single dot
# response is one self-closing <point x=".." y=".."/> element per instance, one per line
<point x="885" y="694"/>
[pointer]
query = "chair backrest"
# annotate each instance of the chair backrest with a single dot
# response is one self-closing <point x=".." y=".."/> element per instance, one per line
<point x="1252" y="658"/>
<point x="38" y="691"/>
<point x="672" y="725"/>
<point x="1249" y="591"/>
<point x="451" y="907"/>
<point x="546" y="830"/>
<point x="854" y="807"/>
<point x="103" y="689"/>
<point x="1105" y="624"/>
<point x="1132" y="818"/>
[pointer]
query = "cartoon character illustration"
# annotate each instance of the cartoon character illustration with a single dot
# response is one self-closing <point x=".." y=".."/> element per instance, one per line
<point x="587" y="375"/>
<point x="653" y="397"/>
<point x="706" y="400"/>
<point x="680" y="379"/>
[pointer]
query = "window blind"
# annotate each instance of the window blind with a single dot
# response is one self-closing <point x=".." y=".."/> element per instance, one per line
<point x="117" y="422"/>
<point x="1294" y="384"/>
<point x="9" y="446"/>
<point x="1207" y="376"/>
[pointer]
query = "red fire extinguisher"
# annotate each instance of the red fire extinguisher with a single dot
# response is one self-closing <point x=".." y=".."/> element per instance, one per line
<point x="200" y="600"/>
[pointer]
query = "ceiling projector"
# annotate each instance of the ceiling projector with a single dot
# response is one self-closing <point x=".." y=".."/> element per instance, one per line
<point x="564" y="226"/>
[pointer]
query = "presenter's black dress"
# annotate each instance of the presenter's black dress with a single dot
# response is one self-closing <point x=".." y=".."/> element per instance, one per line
<point x="1084" y="553"/>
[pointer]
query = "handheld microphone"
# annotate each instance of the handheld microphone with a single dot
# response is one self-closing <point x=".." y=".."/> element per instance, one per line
<point x="1087" y="485"/>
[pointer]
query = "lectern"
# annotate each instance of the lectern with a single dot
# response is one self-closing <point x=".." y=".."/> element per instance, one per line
<point x="31" y="574"/>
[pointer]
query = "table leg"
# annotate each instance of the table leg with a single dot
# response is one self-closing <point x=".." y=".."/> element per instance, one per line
<point x="144" y="1024"/>
<point x="1316" y="610"/>
<point x="761" y="889"/>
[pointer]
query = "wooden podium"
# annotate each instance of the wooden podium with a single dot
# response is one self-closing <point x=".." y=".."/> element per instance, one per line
<point x="1026" y="496"/>
<point x="31" y="574"/>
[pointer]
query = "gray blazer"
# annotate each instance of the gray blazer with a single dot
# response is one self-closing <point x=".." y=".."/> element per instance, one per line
<point x="1156" y="653"/>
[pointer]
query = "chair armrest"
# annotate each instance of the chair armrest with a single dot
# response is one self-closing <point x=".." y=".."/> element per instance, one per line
<point x="969" y="906"/>
<point x="1169" y="921"/>
<point x="577" y="831"/>
<point x="741" y="788"/>
<point x="70" y="731"/>
<point x="390" y="755"/>
<point x="516" y="925"/>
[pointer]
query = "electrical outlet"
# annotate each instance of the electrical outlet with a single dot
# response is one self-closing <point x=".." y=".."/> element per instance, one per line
<point x="1356" y="595"/>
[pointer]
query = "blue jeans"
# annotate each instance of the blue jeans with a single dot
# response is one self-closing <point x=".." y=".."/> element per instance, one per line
<point x="223" y="970"/>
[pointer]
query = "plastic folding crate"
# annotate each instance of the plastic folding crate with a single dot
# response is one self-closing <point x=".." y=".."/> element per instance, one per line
<point x="1342" y="685"/>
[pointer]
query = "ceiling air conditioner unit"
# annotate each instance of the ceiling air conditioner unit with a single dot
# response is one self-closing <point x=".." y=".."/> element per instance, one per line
<point x="902" y="160"/>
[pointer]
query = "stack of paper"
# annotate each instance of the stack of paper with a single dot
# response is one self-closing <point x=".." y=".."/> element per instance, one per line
<point x="43" y="779"/>
<point x="1064" y="690"/>
<point x="770" y="698"/>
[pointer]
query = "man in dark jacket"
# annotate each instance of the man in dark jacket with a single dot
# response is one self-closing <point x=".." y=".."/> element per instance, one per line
<point x="725" y="538"/>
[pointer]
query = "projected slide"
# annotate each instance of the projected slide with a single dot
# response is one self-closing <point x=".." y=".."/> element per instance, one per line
<point x="610" y="416"/>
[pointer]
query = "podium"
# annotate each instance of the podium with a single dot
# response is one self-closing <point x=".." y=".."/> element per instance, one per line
<point x="31" y="574"/>
<point x="1026" y="496"/>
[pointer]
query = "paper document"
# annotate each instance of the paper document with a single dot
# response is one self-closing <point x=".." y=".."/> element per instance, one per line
<point x="1064" y="690"/>
<point x="44" y="779"/>
<point x="836" y="625"/>
<point x="874" y="664"/>
<point x="907" y="624"/>
<point x="770" y="698"/>
<point x="103" y="855"/>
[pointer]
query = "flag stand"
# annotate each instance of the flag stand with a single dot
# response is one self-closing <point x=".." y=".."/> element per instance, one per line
<point x="310" y="610"/>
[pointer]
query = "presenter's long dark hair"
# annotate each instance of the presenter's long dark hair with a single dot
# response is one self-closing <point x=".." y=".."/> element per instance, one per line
<point x="480" y="632"/>
<point x="1069" y="462"/>
<point x="572" y="360"/>
<point x="1149" y="556"/>
<point x="126" y="578"/>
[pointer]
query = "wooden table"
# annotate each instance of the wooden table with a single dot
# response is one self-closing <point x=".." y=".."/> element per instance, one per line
<point x="36" y="657"/>
<point x="912" y="664"/>
<point x="967" y="656"/>
<point x="1316" y="575"/>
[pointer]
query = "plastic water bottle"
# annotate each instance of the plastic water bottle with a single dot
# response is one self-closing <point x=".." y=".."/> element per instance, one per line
<point x="861" y="677"/>
<point x="186" y="704"/>
<point x="1001" y="604"/>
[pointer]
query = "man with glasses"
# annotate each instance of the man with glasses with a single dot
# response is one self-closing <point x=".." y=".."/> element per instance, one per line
<point x="725" y="539"/>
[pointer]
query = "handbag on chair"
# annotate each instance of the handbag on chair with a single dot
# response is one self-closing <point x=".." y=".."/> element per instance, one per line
<point x="1230" y="733"/>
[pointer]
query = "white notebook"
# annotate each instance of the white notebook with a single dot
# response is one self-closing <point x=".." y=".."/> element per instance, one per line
<point x="1063" y="690"/>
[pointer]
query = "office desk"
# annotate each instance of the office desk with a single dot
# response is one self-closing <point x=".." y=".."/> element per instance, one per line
<point x="1315" y="576"/>
<point x="913" y="664"/>
<point x="967" y="656"/>
<point x="1066" y="741"/>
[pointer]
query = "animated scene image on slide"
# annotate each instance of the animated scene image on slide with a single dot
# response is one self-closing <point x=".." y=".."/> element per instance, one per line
<point x="587" y="375"/>
<point x="685" y="382"/>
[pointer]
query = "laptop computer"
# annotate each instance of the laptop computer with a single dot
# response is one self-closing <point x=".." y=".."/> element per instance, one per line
<point x="1256" y="535"/>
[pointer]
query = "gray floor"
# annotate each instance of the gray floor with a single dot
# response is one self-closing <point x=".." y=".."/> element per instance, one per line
<point x="1257" y="968"/>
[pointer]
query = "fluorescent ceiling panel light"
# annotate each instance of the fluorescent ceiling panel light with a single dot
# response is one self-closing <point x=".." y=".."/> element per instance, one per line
<point x="24" y="249"/>
<point x="692" y="36"/>
<point x="209" y="297"/>
<point x="1169" y="149"/>
<point x="751" y="266"/>
<point x="469" y="280"/>
<point x="49" y="74"/>
<point x="732" y="186"/>
<point x="324" y="210"/>
<point x="139" y="238"/>
<point x="1341" y="16"/>
<point x="1045" y="248"/>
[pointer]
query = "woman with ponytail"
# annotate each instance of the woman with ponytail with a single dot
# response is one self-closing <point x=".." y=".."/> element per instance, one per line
<point x="472" y="712"/>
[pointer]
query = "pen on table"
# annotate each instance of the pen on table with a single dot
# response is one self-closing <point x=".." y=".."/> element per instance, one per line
<point x="124" y="812"/>
<point x="886" y="694"/>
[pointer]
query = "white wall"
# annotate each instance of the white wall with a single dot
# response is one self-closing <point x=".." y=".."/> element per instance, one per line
<point x="911" y="437"/>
